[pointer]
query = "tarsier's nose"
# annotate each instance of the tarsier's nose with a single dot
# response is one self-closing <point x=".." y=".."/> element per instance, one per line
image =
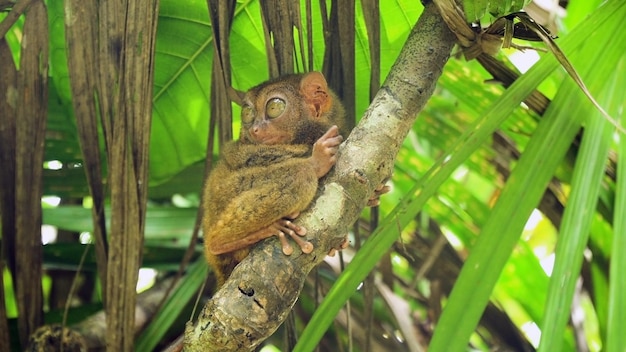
<point x="258" y="128"/>
<point x="256" y="132"/>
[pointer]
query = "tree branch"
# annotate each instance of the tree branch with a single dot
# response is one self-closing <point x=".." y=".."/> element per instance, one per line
<point x="258" y="296"/>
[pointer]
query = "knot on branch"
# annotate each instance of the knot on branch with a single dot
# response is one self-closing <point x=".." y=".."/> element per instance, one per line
<point x="360" y="176"/>
<point x="248" y="291"/>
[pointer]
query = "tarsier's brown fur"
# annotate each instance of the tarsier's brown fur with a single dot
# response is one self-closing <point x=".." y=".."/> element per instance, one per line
<point x="289" y="139"/>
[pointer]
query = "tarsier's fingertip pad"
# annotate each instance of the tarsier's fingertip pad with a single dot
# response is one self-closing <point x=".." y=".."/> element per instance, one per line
<point x="287" y="250"/>
<point x="307" y="248"/>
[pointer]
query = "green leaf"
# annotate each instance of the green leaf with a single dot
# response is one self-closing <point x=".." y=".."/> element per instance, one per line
<point x="183" y="61"/>
<point x="162" y="223"/>
<point x="586" y="183"/>
<point x="67" y="256"/>
<point x="501" y="232"/>
<point x="616" y="339"/>
<point x="519" y="197"/>
<point x="476" y="9"/>
<point x="498" y="8"/>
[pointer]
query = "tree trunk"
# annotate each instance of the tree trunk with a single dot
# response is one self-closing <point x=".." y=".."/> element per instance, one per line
<point x="262" y="289"/>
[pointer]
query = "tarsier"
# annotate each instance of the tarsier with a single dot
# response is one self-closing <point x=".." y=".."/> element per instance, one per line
<point x="291" y="128"/>
<point x="290" y="134"/>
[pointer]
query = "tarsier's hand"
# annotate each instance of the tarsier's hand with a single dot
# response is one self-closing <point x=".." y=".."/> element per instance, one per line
<point x="325" y="149"/>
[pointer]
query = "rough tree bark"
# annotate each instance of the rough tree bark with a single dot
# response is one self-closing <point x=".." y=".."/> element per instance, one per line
<point x="262" y="289"/>
<point x="111" y="66"/>
<point x="23" y="118"/>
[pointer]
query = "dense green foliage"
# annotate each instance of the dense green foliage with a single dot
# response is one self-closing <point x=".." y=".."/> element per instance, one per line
<point x="454" y="174"/>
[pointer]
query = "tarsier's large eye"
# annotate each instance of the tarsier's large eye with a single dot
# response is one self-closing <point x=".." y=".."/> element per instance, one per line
<point x="247" y="114"/>
<point x="274" y="107"/>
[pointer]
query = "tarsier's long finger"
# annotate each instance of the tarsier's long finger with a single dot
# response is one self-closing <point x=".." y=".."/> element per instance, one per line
<point x="373" y="202"/>
<point x="332" y="142"/>
<point x="305" y="246"/>
<point x="375" y="198"/>
<point x="344" y="244"/>
<point x="287" y="249"/>
<point x="289" y="227"/>
<point x="382" y="189"/>
<point x="332" y="132"/>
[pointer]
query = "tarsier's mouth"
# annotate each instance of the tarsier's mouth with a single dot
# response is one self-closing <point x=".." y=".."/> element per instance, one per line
<point x="266" y="141"/>
<point x="271" y="140"/>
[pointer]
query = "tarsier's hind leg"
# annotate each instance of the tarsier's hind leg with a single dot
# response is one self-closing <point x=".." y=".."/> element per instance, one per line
<point x="285" y="227"/>
<point x="261" y="212"/>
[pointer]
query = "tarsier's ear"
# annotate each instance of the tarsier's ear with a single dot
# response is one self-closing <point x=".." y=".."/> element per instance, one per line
<point x="236" y="95"/>
<point x="314" y="89"/>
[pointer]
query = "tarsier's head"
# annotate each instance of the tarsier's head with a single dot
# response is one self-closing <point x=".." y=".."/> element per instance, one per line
<point x="293" y="109"/>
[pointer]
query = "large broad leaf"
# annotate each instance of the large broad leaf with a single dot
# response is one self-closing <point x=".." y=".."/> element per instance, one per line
<point x="183" y="58"/>
<point x="477" y="9"/>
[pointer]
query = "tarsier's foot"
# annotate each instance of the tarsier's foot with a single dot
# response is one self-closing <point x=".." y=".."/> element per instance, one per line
<point x="375" y="198"/>
<point x="344" y="244"/>
<point x="285" y="226"/>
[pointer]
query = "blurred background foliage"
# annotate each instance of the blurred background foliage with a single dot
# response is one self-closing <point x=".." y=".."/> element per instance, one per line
<point x="575" y="209"/>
